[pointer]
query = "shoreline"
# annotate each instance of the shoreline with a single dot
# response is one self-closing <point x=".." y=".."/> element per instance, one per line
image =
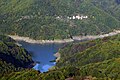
<point x="75" y="38"/>
<point x="57" y="55"/>
<point x="29" y="40"/>
<point x="92" y="37"/>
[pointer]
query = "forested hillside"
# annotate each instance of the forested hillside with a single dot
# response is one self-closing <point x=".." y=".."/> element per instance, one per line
<point x="55" y="19"/>
<point x="97" y="59"/>
<point x="93" y="60"/>
<point x="12" y="57"/>
<point x="90" y="52"/>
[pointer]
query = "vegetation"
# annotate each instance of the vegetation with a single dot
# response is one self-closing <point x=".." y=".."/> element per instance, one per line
<point x="97" y="60"/>
<point x="12" y="57"/>
<point x="48" y="19"/>
<point x="38" y="18"/>
<point x="90" y="52"/>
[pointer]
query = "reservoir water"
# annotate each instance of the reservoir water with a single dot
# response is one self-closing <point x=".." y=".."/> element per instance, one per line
<point x="42" y="54"/>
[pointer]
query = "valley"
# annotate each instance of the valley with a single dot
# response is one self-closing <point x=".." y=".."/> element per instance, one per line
<point x="59" y="39"/>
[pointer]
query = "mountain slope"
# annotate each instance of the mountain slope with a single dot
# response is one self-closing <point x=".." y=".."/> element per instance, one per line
<point x="107" y="69"/>
<point x="12" y="57"/>
<point x="44" y="19"/>
<point x="96" y="59"/>
<point x="90" y="52"/>
<point x="112" y="7"/>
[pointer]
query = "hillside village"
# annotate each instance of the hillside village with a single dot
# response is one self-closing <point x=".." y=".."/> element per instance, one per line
<point x="74" y="17"/>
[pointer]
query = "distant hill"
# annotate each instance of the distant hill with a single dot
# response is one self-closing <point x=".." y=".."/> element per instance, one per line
<point x="51" y="19"/>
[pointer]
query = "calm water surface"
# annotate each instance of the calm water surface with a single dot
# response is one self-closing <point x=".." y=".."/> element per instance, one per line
<point x="42" y="54"/>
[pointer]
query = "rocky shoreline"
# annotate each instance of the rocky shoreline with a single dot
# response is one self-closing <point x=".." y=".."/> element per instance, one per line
<point x="75" y="38"/>
<point x="92" y="37"/>
<point x="29" y="40"/>
<point x="115" y="32"/>
<point x="57" y="55"/>
<point x="78" y="38"/>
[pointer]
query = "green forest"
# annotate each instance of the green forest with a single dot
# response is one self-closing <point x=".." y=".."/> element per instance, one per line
<point x="37" y="19"/>
<point x="13" y="57"/>
<point x="96" y="60"/>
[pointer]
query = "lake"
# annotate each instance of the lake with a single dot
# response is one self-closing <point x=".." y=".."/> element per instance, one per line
<point x="42" y="54"/>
